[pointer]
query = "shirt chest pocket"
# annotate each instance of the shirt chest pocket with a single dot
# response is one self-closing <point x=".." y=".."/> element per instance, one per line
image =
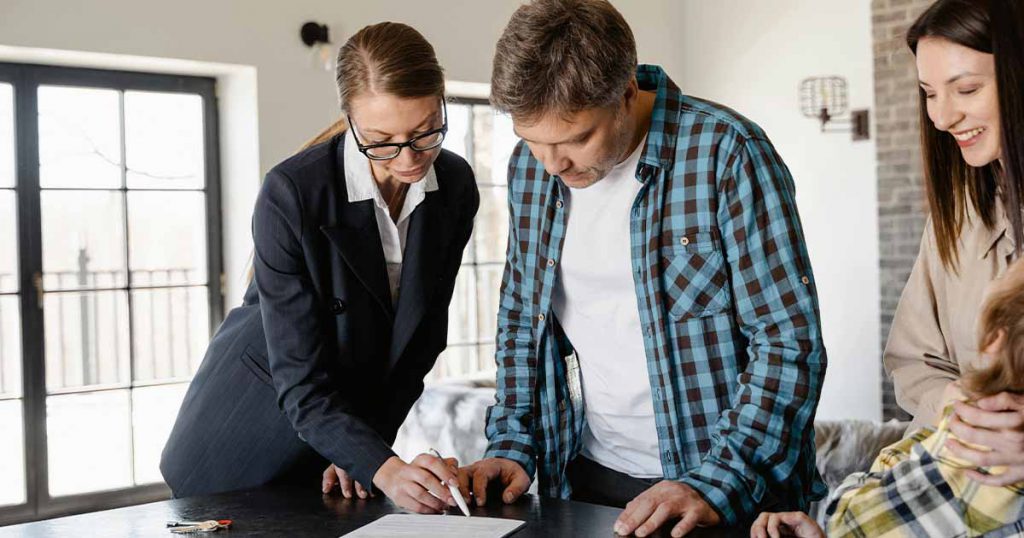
<point x="694" y="276"/>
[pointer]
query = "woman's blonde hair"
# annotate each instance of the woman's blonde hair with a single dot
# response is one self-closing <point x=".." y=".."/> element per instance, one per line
<point x="385" y="58"/>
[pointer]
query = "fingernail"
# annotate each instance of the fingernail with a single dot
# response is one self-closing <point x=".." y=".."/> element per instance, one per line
<point x="509" y="497"/>
<point x="619" y="529"/>
<point x="479" y="502"/>
<point x="325" y="488"/>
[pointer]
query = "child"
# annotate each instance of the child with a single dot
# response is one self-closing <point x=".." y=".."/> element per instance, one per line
<point x="917" y="487"/>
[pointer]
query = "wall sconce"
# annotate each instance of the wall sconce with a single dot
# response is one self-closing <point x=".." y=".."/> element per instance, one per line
<point x="317" y="37"/>
<point x="825" y="98"/>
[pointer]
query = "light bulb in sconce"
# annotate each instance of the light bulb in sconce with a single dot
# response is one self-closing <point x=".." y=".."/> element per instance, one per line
<point x="317" y="38"/>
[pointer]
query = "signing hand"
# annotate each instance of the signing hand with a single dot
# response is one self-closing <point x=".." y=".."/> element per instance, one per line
<point x="476" y="477"/>
<point x="779" y="524"/>
<point x="663" y="501"/>
<point x="419" y="486"/>
<point x="336" y="476"/>
<point x="996" y="422"/>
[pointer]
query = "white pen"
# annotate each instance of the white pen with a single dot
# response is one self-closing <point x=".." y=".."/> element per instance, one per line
<point x="455" y="491"/>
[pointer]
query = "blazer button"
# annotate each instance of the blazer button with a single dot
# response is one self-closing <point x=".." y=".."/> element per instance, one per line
<point x="337" y="306"/>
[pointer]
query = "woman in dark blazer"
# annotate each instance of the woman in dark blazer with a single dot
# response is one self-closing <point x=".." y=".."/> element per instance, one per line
<point x="358" y="239"/>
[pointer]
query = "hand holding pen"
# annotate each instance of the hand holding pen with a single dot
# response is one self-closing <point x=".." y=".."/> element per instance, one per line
<point x="420" y="486"/>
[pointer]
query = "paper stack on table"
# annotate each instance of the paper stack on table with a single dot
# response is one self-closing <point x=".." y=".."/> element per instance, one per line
<point x="428" y="526"/>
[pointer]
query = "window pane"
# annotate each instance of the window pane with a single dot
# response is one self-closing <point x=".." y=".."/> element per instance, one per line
<point x="79" y="137"/>
<point x="164" y="140"/>
<point x="10" y="347"/>
<point x="86" y="338"/>
<point x="483" y="125"/>
<point x="6" y="135"/>
<point x="503" y="141"/>
<point x="171" y="330"/>
<point x="490" y="228"/>
<point x="8" y="242"/>
<point x="462" y="311"/>
<point x="488" y="292"/>
<point x="455" y="361"/>
<point x="83" y="239"/>
<point x="167" y="238"/>
<point x="12" y="453"/>
<point x="459" y="138"/>
<point x="153" y="412"/>
<point x="89" y="441"/>
<point x="485" y="358"/>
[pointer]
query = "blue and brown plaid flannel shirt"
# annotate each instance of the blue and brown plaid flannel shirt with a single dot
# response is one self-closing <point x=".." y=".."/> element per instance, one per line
<point x="728" y="309"/>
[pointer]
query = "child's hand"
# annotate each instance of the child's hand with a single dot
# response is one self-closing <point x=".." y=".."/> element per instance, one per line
<point x="779" y="524"/>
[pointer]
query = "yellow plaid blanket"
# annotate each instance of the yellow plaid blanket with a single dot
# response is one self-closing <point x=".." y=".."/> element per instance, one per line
<point x="916" y="487"/>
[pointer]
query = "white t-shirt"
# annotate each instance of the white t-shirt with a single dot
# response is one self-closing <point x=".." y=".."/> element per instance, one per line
<point x="360" y="185"/>
<point x="596" y="303"/>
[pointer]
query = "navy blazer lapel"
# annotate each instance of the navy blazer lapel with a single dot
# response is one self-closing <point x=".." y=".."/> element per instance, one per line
<point x="357" y="239"/>
<point x="426" y="247"/>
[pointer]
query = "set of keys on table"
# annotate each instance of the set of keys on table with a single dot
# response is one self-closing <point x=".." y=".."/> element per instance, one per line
<point x="195" y="527"/>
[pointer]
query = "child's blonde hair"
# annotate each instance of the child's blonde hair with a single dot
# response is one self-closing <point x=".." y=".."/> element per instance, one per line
<point x="1001" y="317"/>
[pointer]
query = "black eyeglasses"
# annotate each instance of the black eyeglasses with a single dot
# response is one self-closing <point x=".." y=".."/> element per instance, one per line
<point x="424" y="142"/>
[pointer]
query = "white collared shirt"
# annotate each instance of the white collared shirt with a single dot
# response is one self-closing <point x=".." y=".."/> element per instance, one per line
<point x="360" y="185"/>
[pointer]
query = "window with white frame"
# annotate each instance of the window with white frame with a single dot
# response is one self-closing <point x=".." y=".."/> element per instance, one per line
<point x="110" y="278"/>
<point x="486" y="140"/>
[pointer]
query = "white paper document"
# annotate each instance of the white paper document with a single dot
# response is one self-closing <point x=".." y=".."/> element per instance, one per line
<point x="429" y="526"/>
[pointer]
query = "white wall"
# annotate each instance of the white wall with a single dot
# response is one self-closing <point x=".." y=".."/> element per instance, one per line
<point x="752" y="56"/>
<point x="294" y="100"/>
<point x="748" y="54"/>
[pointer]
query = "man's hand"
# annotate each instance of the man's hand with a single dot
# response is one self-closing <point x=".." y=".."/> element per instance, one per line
<point x="661" y="502"/>
<point x="996" y="422"/>
<point x="779" y="524"/>
<point x="418" y="486"/>
<point x="477" y="476"/>
<point x="336" y="476"/>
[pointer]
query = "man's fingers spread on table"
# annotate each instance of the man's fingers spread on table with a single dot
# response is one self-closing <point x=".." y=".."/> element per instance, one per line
<point x="518" y="485"/>
<point x="482" y="475"/>
<point x="637" y="511"/>
<point x="757" y="529"/>
<point x="774" y="526"/>
<point x="657" y="519"/>
<point x="686" y="525"/>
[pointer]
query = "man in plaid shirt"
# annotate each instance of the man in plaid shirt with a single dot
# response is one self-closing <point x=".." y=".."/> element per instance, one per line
<point x="658" y="343"/>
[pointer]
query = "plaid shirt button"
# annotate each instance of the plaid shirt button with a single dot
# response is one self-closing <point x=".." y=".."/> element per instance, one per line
<point x="540" y="317"/>
<point x="684" y="241"/>
<point x="551" y="263"/>
<point x="558" y="204"/>
<point x="805" y="280"/>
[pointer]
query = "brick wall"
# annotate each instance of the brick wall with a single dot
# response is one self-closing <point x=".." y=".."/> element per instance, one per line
<point x="901" y="199"/>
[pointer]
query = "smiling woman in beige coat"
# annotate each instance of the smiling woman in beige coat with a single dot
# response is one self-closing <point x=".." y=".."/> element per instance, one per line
<point x="972" y="115"/>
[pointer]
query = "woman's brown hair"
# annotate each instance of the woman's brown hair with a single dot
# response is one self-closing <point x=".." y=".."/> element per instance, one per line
<point x="950" y="183"/>
<point x="1002" y="320"/>
<point x="385" y="58"/>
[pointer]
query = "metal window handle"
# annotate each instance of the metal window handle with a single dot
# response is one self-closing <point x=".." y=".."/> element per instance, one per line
<point x="37" y="281"/>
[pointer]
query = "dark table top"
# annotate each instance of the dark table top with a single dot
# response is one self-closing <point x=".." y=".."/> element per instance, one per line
<point x="305" y="512"/>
